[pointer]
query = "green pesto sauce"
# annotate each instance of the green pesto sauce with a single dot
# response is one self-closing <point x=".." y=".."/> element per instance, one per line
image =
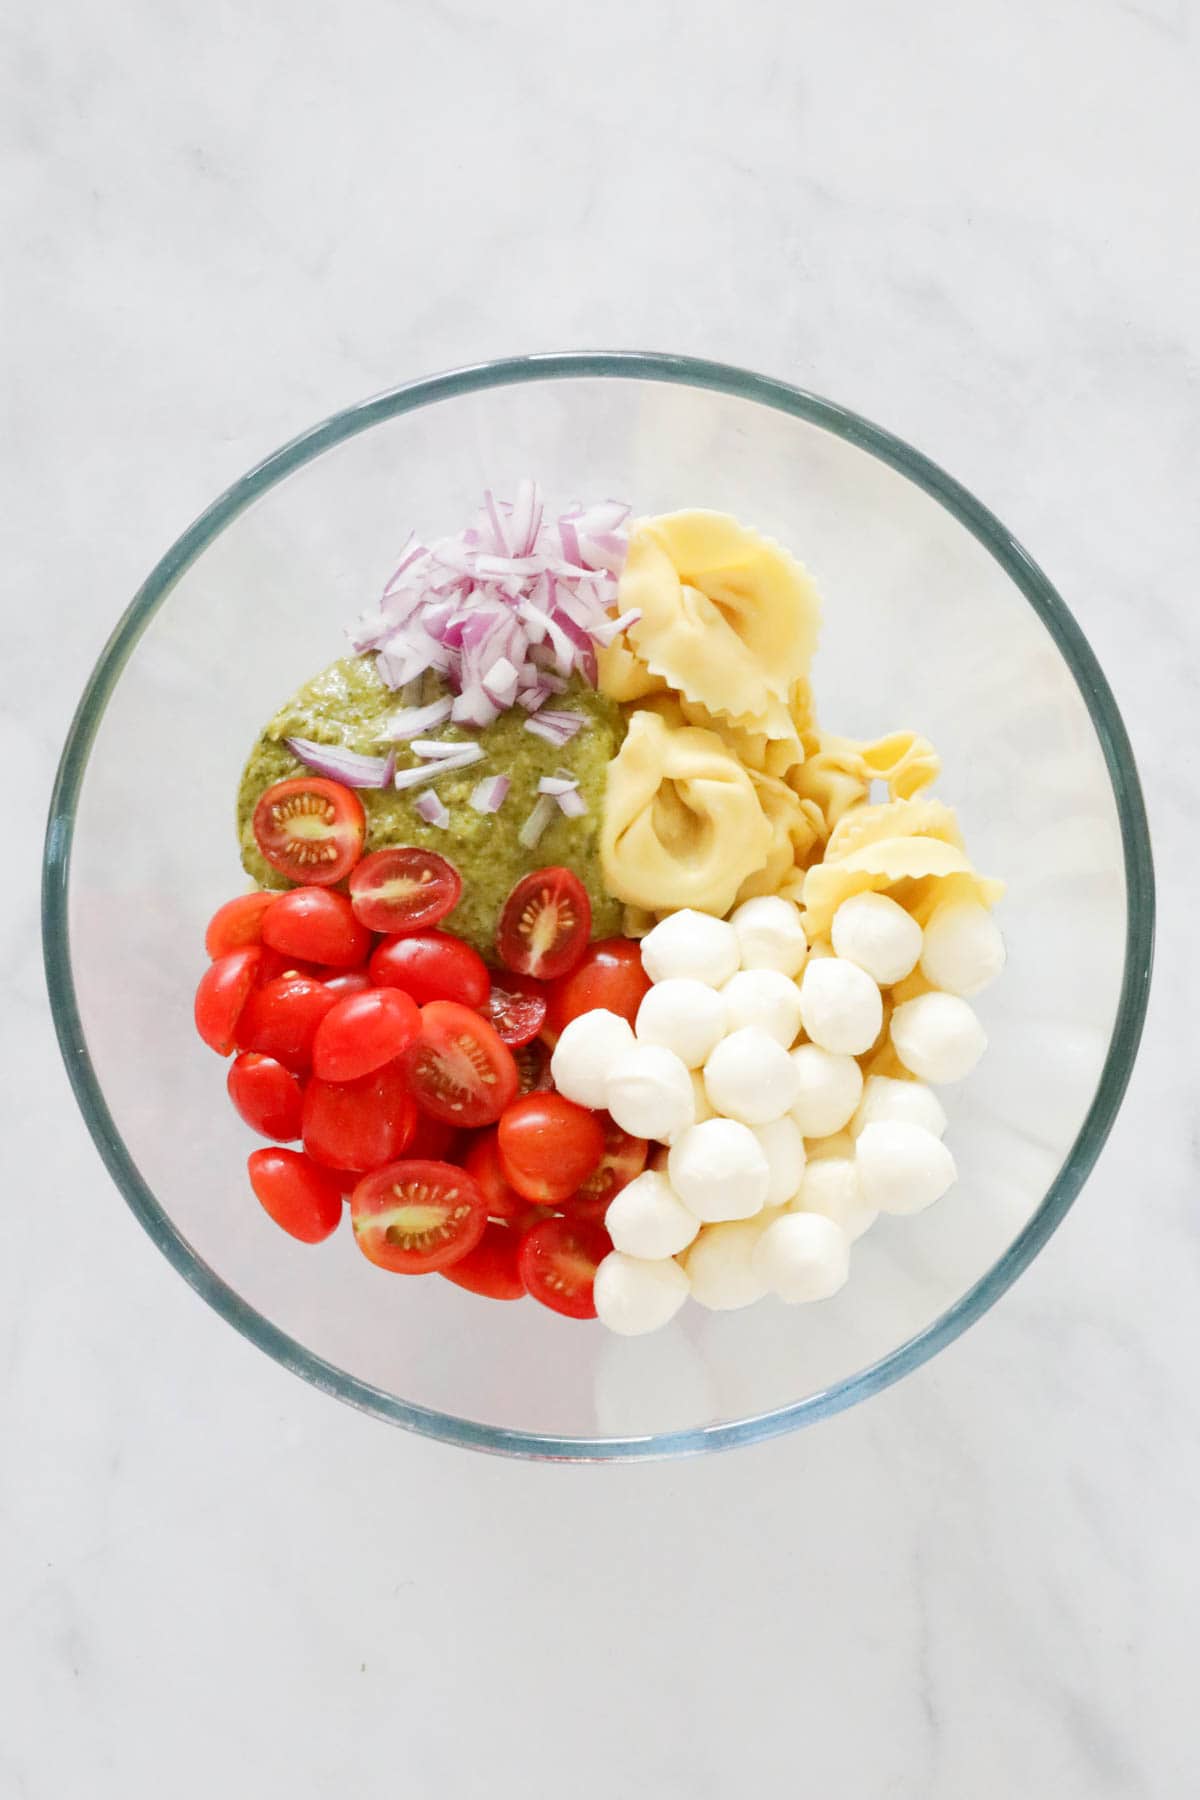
<point x="347" y="704"/>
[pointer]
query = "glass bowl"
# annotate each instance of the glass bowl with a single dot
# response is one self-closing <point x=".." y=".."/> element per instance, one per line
<point x="934" y="619"/>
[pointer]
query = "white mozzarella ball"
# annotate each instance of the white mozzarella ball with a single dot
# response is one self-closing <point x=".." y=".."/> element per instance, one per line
<point x="877" y="934"/>
<point x="911" y="1101"/>
<point x="690" y="943"/>
<point x="770" y="934"/>
<point x="683" y="1015"/>
<point x="938" y="1037"/>
<point x="649" y="1092"/>
<point x="648" y="1219"/>
<point x="766" y="998"/>
<point x="720" y="1267"/>
<point x="719" y="1170"/>
<point x="802" y="1256"/>
<point x="586" y="1053"/>
<point x="782" y="1143"/>
<point x="633" y="1297"/>
<point x="703" y="1104"/>
<point x="840" y="1005"/>
<point x="750" y="1077"/>
<point x="903" y="1168"/>
<point x="830" y="1089"/>
<point x="831" y="1186"/>
<point x="963" y="950"/>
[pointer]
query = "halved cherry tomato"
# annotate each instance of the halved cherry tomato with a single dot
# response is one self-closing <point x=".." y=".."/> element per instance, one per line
<point x="318" y="925"/>
<point x="412" y="1217"/>
<point x="610" y="975"/>
<point x="348" y="981"/>
<point x="435" y="1141"/>
<point x="299" y="1196"/>
<point x="221" y="997"/>
<point x="457" y="1069"/>
<point x="267" y="1095"/>
<point x="362" y="1032"/>
<point x="482" y="1161"/>
<point x="280" y="1019"/>
<point x="237" y="923"/>
<point x="491" y="1268"/>
<point x="558" y="1261"/>
<point x="548" y="1146"/>
<point x="310" y="829"/>
<point x="516" y="1007"/>
<point x="533" y="1068"/>
<point x="545" y="925"/>
<point x="432" y="966"/>
<point x="359" y="1124"/>
<point x="405" y="889"/>
<point x="623" y="1158"/>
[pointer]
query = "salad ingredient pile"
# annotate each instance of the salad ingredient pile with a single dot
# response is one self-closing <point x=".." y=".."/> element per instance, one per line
<point x="581" y="962"/>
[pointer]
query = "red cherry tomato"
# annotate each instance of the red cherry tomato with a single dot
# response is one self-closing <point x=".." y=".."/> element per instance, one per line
<point x="609" y="976"/>
<point x="302" y="1198"/>
<point x="348" y="981"/>
<point x="533" y="1068"/>
<point x="405" y="889"/>
<point x="435" y="1141"/>
<point x="318" y="925"/>
<point x="221" y="997"/>
<point x="548" y="1146"/>
<point x="310" y="829"/>
<point x="237" y="923"/>
<point x="491" y="1268"/>
<point x="412" y="1217"/>
<point x="545" y="925"/>
<point x="275" y="963"/>
<point x="623" y="1158"/>
<point x="280" y="1019"/>
<point x="359" y="1124"/>
<point x="267" y="1095"/>
<point x="482" y="1161"/>
<point x="434" y="966"/>
<point x="558" y="1261"/>
<point x="516" y="1008"/>
<point x="362" y="1032"/>
<point x="457" y="1069"/>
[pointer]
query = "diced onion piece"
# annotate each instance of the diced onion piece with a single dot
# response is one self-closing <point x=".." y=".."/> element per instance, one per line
<point x="346" y="766"/>
<point x="432" y="809"/>
<point x="416" y="777"/>
<point x="489" y="795"/>
<point x="530" y="832"/>
<point x="555" y="727"/>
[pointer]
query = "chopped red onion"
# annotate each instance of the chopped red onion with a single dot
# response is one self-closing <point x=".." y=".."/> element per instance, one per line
<point x="346" y="766"/>
<point x="511" y="595"/>
<point x="413" y="720"/>
<point x="572" y="804"/>
<point x="433" y="749"/>
<point x="555" y="727"/>
<point x="423" y="772"/>
<point x="432" y="809"/>
<point x="543" y="811"/>
<point x="556" y="785"/>
<point x="489" y="795"/>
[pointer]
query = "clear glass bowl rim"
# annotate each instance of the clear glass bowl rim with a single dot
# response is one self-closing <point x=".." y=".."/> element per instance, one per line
<point x="1028" y="578"/>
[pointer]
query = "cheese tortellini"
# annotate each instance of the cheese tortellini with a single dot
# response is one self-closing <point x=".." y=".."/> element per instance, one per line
<point x="911" y="849"/>
<point x="837" y="772"/>
<point x="683" y="826"/>
<point x="727" y="618"/>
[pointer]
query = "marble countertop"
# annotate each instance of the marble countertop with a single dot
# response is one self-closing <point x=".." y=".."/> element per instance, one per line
<point x="976" y="225"/>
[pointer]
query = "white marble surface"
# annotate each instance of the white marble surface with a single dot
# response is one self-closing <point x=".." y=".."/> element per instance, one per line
<point x="975" y="224"/>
